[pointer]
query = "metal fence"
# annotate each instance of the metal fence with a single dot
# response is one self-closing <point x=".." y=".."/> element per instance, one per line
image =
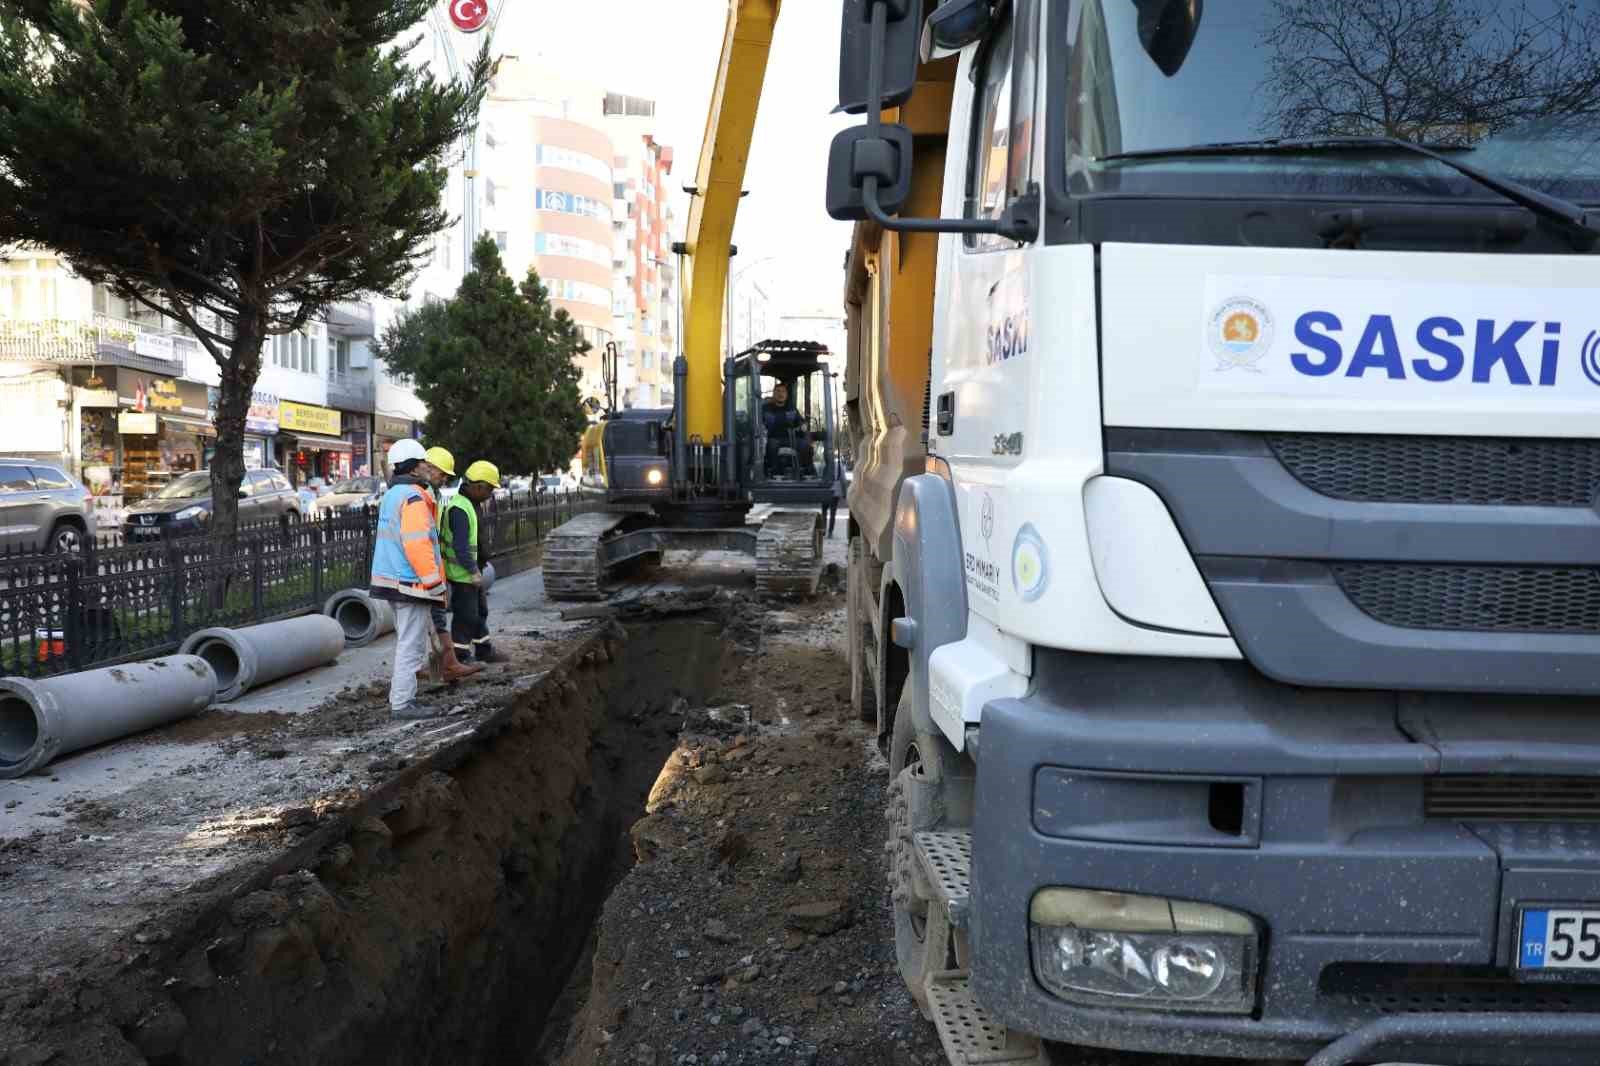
<point x="115" y="603"/>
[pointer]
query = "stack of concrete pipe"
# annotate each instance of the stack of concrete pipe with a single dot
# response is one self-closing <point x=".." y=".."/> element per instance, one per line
<point x="258" y="655"/>
<point x="43" y="719"/>
<point x="362" y="618"/>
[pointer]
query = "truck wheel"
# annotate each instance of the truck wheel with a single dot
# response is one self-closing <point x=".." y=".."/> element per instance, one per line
<point x="863" y="700"/>
<point x="918" y="763"/>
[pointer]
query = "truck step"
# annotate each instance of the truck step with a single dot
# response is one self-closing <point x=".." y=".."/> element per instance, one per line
<point x="969" y="1035"/>
<point x="946" y="856"/>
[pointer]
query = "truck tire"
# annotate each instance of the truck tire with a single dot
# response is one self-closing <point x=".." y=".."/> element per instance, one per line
<point x="918" y="764"/>
<point x="863" y="697"/>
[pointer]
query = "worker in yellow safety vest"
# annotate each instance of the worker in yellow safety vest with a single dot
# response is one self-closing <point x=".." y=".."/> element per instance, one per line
<point x="463" y="564"/>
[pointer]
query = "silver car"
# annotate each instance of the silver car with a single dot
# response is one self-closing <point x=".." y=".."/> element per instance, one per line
<point x="42" y="508"/>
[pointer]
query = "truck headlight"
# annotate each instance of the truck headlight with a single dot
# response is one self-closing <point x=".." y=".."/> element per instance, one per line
<point x="1109" y="949"/>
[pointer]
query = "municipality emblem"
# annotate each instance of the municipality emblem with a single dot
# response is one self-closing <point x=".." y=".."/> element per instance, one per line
<point x="1240" y="333"/>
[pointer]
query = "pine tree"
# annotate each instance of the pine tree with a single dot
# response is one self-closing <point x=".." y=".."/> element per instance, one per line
<point x="237" y="166"/>
<point x="495" y="365"/>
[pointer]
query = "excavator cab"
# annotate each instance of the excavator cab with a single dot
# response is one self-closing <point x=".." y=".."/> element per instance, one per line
<point x="784" y="424"/>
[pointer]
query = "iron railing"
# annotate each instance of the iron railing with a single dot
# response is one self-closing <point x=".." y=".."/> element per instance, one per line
<point x="118" y="602"/>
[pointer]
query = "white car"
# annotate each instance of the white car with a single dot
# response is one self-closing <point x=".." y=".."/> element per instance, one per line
<point x="558" y="483"/>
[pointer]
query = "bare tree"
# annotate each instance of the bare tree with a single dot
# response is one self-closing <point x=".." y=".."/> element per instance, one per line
<point x="1435" y="71"/>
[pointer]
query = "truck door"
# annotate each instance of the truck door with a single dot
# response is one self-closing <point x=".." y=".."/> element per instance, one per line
<point x="981" y="385"/>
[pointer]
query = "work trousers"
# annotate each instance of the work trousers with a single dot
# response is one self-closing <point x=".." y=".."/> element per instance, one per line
<point x="469" y="625"/>
<point x="412" y="625"/>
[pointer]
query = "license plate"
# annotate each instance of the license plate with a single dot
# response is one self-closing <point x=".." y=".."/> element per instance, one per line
<point x="1559" y="939"/>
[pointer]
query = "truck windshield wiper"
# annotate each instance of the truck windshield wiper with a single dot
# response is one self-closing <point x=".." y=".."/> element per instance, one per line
<point x="1543" y="204"/>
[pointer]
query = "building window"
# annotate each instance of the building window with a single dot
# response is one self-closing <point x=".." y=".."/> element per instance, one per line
<point x="573" y="247"/>
<point x="501" y="239"/>
<point x="567" y="203"/>
<point x="550" y="155"/>
<point x="629" y="106"/>
<point x="488" y="191"/>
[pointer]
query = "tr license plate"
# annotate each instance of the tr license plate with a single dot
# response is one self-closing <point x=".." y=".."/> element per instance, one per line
<point x="1559" y="940"/>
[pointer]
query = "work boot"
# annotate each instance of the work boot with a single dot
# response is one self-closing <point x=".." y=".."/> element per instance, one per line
<point x="454" y="669"/>
<point x="484" y="653"/>
<point x="414" y="710"/>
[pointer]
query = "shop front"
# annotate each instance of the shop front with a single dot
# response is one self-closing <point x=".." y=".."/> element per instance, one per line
<point x="162" y="430"/>
<point x="358" y="434"/>
<point x="311" y="444"/>
<point x="386" y="429"/>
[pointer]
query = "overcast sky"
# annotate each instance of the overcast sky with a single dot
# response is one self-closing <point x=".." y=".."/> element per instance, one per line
<point x="668" y="50"/>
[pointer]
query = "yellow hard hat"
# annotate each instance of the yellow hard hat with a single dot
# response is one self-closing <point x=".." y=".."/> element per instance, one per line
<point x="441" y="459"/>
<point x="484" y="470"/>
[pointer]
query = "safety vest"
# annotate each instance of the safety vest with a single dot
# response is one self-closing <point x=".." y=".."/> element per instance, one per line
<point x="405" y="557"/>
<point x="452" y="569"/>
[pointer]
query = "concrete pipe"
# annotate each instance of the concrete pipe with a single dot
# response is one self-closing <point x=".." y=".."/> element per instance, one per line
<point x="46" y="718"/>
<point x="258" y="655"/>
<point x="362" y="618"/>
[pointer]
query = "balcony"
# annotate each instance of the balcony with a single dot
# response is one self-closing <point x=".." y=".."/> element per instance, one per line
<point x="351" y="320"/>
<point x="352" y="391"/>
<point x="100" y="339"/>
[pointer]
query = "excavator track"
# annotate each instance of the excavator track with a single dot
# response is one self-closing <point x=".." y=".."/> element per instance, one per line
<point x="789" y="554"/>
<point x="572" y="556"/>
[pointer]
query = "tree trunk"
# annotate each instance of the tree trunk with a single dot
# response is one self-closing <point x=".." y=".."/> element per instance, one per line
<point x="239" y="375"/>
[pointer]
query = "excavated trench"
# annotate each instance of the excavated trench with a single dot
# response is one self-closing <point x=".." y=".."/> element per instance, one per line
<point x="441" y="921"/>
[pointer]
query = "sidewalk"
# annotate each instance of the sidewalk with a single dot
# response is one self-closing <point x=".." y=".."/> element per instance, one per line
<point x="198" y="748"/>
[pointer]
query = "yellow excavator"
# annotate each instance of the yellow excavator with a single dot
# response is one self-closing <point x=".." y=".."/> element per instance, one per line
<point x="687" y="476"/>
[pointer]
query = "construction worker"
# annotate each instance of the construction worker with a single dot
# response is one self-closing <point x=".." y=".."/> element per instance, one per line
<point x="407" y="569"/>
<point x="443" y="467"/>
<point x="463" y="564"/>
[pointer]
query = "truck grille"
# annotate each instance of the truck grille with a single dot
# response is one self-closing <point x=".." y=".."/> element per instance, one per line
<point x="1458" y="470"/>
<point x="1496" y="798"/>
<point x="1512" y="599"/>
<point x="1395" y="989"/>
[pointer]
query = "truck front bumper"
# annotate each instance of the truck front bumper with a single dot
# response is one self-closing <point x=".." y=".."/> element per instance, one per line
<point x="1387" y="920"/>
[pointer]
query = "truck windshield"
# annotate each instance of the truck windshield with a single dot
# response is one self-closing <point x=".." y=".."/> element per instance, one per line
<point x="1514" y="88"/>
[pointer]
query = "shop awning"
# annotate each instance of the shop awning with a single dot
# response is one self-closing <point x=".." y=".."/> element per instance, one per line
<point x="316" y="442"/>
<point x="197" y="426"/>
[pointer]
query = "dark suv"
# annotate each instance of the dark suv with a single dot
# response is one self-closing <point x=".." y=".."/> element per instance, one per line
<point x="42" y="508"/>
<point x="184" y="505"/>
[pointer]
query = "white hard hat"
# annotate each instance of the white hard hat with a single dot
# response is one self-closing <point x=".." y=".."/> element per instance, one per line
<point x="402" y="450"/>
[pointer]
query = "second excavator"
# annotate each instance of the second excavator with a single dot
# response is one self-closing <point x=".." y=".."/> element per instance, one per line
<point x="757" y="428"/>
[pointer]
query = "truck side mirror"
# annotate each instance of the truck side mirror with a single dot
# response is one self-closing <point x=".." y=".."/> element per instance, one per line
<point x="899" y="55"/>
<point x="955" y="25"/>
<point x="883" y="152"/>
<point x="1167" y="29"/>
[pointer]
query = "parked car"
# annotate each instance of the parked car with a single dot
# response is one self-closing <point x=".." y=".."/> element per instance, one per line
<point x="558" y="483"/>
<point x="185" y="504"/>
<point x="351" y="494"/>
<point x="42" y="508"/>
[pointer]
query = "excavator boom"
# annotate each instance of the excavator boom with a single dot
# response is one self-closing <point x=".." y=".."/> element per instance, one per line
<point x="730" y="124"/>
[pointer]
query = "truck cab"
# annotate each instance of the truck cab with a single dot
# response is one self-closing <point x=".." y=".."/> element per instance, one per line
<point x="1237" y="647"/>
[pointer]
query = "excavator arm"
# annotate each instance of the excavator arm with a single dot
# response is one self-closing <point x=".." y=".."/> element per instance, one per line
<point x="719" y="181"/>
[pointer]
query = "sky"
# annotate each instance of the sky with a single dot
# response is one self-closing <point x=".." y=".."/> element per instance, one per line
<point x="668" y="50"/>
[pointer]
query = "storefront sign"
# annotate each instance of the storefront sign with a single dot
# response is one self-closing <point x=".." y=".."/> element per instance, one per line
<point x="137" y="423"/>
<point x="97" y="398"/>
<point x="155" y="345"/>
<point x="195" y="399"/>
<point x="263" y="414"/>
<point x="308" y="419"/>
<point x="147" y="392"/>
<point x="393" y="428"/>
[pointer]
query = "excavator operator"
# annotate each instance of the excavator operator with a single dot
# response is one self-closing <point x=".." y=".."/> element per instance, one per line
<point x="785" y="433"/>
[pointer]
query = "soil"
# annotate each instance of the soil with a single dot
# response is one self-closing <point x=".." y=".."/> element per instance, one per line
<point x="755" y="925"/>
